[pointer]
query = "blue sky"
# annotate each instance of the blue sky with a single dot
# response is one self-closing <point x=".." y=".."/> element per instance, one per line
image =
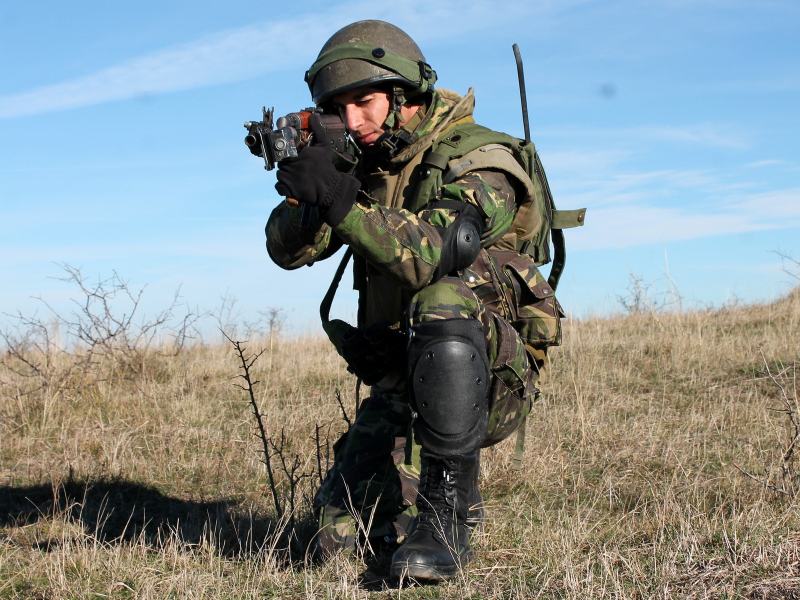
<point x="674" y="122"/>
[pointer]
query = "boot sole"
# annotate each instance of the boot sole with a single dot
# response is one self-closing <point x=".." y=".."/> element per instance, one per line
<point x="425" y="572"/>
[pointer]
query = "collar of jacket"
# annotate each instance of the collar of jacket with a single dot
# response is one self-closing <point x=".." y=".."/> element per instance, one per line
<point x="447" y="110"/>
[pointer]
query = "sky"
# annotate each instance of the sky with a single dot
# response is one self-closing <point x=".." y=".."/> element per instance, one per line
<point x="674" y="122"/>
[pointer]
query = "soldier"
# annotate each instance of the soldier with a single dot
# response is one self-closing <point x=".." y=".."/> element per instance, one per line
<point x="435" y="259"/>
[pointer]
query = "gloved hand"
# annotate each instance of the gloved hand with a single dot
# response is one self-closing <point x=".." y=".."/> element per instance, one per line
<point x="312" y="179"/>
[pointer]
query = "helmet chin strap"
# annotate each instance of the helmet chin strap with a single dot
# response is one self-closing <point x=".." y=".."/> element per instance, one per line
<point x="396" y="136"/>
<point x="395" y="116"/>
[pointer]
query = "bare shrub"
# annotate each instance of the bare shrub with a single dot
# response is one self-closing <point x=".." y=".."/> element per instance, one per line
<point x="286" y="470"/>
<point x="791" y="266"/>
<point x="103" y="339"/>
<point x="231" y="322"/>
<point x="781" y="473"/>
<point x="653" y="297"/>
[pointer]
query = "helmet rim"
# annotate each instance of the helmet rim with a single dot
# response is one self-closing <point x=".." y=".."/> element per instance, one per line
<point x="366" y="53"/>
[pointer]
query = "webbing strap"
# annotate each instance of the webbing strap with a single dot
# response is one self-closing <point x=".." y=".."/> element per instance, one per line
<point x="559" y="257"/>
<point x="562" y="219"/>
<point x="327" y="301"/>
<point x="435" y="159"/>
<point x="335" y="329"/>
<point x="457" y="205"/>
<point x="565" y="219"/>
<point x="516" y="463"/>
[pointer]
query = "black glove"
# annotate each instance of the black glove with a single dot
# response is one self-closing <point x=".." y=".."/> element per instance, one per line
<point x="312" y="179"/>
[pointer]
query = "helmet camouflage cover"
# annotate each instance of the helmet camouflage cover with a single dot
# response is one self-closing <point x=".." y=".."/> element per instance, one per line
<point x="368" y="53"/>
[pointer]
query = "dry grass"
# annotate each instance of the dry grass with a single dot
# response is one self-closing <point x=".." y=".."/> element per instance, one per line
<point x="146" y="482"/>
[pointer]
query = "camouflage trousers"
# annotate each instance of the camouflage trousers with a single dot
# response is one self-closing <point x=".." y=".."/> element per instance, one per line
<point x="370" y="492"/>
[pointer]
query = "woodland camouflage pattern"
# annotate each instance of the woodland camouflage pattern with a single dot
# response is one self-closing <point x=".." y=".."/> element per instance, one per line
<point x="371" y="490"/>
<point x="374" y="476"/>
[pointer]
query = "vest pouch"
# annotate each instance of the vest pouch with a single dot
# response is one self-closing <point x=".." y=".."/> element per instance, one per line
<point x="537" y="312"/>
<point x="513" y="383"/>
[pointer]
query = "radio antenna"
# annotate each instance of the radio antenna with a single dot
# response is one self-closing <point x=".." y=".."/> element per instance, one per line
<point x="522" y="95"/>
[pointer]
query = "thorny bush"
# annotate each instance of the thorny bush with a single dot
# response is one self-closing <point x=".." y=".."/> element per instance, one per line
<point x="57" y="352"/>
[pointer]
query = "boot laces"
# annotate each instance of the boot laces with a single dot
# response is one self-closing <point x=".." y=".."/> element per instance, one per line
<point x="437" y="494"/>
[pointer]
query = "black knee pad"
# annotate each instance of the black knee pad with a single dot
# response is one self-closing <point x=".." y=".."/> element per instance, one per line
<point x="448" y="372"/>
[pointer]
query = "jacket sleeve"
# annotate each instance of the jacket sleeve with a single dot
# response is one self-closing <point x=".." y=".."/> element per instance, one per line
<point x="407" y="247"/>
<point x="290" y="246"/>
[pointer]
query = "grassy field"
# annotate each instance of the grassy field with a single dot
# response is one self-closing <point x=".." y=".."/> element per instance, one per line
<point x="136" y="473"/>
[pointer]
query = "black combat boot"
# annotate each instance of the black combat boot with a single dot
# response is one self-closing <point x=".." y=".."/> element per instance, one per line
<point x="438" y="546"/>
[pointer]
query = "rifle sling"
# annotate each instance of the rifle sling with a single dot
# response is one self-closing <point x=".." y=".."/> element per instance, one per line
<point x="337" y="328"/>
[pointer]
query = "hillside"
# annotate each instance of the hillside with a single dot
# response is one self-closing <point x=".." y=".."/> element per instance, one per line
<point x="136" y="473"/>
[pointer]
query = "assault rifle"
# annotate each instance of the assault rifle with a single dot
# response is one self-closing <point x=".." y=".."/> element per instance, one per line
<point x="275" y="144"/>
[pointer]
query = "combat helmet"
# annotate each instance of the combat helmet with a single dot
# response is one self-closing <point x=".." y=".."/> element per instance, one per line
<point x="369" y="53"/>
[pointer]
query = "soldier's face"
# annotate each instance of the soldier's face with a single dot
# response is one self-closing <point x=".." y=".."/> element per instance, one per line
<point x="364" y="111"/>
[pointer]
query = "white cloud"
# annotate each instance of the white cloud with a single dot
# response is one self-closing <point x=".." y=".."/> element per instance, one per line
<point x="705" y="134"/>
<point x="603" y="190"/>
<point x="629" y="223"/>
<point x="771" y="207"/>
<point x="223" y="57"/>
<point x="786" y="79"/>
<point x="765" y="163"/>
<point x="586" y="163"/>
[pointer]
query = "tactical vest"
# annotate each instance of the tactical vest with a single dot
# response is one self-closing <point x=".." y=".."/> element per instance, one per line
<point x="464" y="147"/>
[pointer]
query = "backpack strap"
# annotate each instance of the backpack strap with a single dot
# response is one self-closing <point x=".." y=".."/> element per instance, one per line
<point x="527" y="220"/>
<point x="448" y="151"/>
<point x="490" y="156"/>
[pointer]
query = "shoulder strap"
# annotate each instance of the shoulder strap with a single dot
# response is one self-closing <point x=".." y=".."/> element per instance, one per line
<point x="455" y="143"/>
<point x="490" y="156"/>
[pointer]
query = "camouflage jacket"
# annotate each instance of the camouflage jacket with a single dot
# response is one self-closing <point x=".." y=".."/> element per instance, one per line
<point x="398" y="249"/>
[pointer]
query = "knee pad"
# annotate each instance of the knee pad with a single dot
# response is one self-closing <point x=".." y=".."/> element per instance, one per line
<point x="448" y="373"/>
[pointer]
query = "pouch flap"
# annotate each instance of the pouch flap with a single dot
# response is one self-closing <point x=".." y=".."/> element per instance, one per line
<point x="526" y="272"/>
<point x="336" y="330"/>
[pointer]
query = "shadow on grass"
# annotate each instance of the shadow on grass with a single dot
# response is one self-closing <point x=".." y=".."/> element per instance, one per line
<point x="116" y="511"/>
<point x="119" y="510"/>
